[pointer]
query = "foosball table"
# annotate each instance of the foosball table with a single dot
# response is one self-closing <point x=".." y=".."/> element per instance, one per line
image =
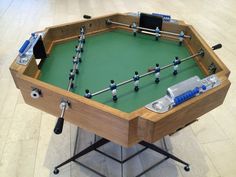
<point x="129" y="78"/>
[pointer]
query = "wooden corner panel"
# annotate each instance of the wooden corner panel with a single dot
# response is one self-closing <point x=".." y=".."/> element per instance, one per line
<point x="161" y="125"/>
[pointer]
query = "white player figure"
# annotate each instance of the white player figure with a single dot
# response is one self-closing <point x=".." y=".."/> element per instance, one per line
<point x="113" y="87"/>
<point x="78" y="51"/>
<point x="157" y="73"/>
<point x="83" y="39"/>
<point x="157" y="31"/>
<point x="87" y="94"/>
<point x="79" y="48"/>
<point x="136" y="81"/>
<point x="176" y="63"/>
<point x="80" y="39"/>
<point x="134" y="27"/>
<point x="82" y="35"/>
<point x="181" y="38"/>
<point x="75" y="62"/>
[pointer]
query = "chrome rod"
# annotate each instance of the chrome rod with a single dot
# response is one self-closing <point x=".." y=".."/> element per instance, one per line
<point x="63" y="111"/>
<point x="146" y="74"/>
<point x="75" y="66"/>
<point x="147" y="29"/>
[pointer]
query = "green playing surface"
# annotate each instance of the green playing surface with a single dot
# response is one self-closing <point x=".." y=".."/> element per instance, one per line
<point x="116" y="55"/>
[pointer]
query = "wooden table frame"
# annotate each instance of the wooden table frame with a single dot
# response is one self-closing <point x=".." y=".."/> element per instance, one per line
<point x="120" y="127"/>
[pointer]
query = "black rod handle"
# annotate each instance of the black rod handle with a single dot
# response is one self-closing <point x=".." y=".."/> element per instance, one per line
<point x="217" y="46"/>
<point x="59" y="126"/>
<point x="87" y="16"/>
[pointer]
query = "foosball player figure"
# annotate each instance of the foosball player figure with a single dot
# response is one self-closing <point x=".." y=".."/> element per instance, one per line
<point x="80" y="39"/>
<point x="72" y="77"/>
<point x="80" y="60"/>
<point x="181" y="38"/>
<point x="88" y="94"/>
<point x="82" y="34"/>
<point x="83" y="39"/>
<point x="157" y="31"/>
<point x="75" y="61"/>
<point x="79" y="56"/>
<point x="176" y="63"/>
<point x="82" y="47"/>
<point x="136" y="81"/>
<point x="157" y="73"/>
<point x="81" y="42"/>
<point x="79" y="48"/>
<point x="113" y="87"/>
<point x="134" y="27"/>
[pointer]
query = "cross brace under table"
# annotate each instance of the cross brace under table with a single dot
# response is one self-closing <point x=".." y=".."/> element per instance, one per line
<point x="103" y="141"/>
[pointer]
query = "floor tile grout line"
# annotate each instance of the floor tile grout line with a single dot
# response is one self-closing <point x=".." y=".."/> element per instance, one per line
<point x="227" y="138"/>
<point x="37" y="146"/>
<point x="222" y="127"/>
<point x="8" y="131"/>
<point x="213" y="164"/>
<point x="206" y="154"/>
<point x="1" y="15"/>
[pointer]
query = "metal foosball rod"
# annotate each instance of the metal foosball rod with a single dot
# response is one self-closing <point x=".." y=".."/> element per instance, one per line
<point x="64" y="103"/>
<point x="146" y="29"/>
<point x="201" y="52"/>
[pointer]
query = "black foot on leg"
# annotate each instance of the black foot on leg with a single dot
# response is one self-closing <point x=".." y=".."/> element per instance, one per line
<point x="56" y="171"/>
<point x="77" y="71"/>
<point x="136" y="88"/>
<point x="180" y="43"/>
<point x="186" y="168"/>
<point x="157" y="80"/>
<point x="115" y="98"/>
<point x="175" y="73"/>
<point x="134" y="34"/>
<point x="72" y="85"/>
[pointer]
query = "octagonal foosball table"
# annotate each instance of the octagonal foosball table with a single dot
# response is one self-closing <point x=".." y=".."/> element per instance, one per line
<point x="129" y="78"/>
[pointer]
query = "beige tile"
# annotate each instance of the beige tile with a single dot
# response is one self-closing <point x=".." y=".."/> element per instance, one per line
<point x="4" y="84"/>
<point x="9" y="103"/>
<point x="1" y="70"/>
<point x="52" y="149"/>
<point x="223" y="156"/>
<point x="233" y="140"/>
<point x="165" y="169"/>
<point x="26" y="123"/>
<point x="186" y="146"/>
<point x="230" y="97"/>
<point x="18" y="159"/>
<point x="5" y="124"/>
<point x="207" y="130"/>
<point x="2" y="144"/>
<point x="4" y="5"/>
<point x="20" y="99"/>
<point x="148" y="158"/>
<point x="226" y="120"/>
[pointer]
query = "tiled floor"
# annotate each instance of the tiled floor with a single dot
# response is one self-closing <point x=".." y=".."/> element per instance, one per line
<point x="29" y="148"/>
